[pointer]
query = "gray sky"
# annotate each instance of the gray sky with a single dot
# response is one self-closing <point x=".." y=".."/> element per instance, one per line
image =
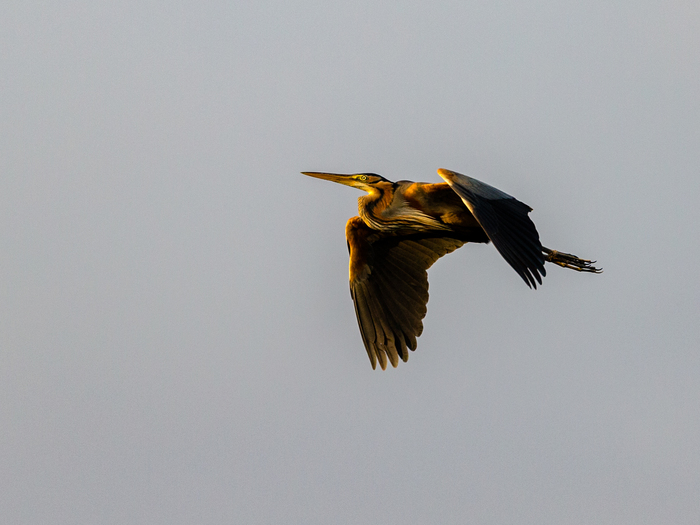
<point x="177" y="339"/>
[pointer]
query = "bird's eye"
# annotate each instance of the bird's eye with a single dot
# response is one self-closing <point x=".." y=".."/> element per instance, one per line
<point x="363" y="177"/>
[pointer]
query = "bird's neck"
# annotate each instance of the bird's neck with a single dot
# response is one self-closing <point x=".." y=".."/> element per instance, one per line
<point x="372" y="205"/>
<point x="377" y="198"/>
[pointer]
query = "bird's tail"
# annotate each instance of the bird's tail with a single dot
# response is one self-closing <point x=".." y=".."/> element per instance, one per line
<point x="566" y="260"/>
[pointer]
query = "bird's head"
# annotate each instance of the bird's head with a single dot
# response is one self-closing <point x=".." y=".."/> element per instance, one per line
<point x="362" y="181"/>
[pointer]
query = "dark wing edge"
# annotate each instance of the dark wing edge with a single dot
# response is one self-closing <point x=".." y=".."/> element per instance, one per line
<point x="505" y="220"/>
<point x="391" y="298"/>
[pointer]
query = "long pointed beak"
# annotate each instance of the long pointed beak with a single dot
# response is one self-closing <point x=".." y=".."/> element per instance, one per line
<point x="346" y="180"/>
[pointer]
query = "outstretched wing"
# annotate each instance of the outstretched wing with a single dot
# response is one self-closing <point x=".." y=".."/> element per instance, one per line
<point x="389" y="286"/>
<point x="505" y="220"/>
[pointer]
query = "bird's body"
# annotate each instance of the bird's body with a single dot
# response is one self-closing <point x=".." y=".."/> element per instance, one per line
<point x="404" y="227"/>
<point x="415" y="206"/>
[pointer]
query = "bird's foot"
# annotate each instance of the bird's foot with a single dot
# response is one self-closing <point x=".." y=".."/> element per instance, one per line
<point x="566" y="260"/>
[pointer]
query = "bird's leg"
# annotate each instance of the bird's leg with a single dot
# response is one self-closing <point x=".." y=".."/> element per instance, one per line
<point x="566" y="260"/>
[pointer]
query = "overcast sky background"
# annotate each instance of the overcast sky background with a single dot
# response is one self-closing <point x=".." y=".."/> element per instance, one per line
<point x="178" y="342"/>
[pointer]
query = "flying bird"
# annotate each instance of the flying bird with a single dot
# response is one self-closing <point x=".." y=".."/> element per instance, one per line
<point x="404" y="227"/>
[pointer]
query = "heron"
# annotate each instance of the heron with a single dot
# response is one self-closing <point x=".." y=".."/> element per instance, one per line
<point x="404" y="227"/>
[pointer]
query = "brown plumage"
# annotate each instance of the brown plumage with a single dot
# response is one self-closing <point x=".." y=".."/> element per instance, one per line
<point x="404" y="227"/>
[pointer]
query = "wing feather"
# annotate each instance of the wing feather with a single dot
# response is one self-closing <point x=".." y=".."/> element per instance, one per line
<point x="404" y="312"/>
<point x="505" y="220"/>
<point x="389" y="287"/>
<point x="408" y="308"/>
<point x="364" y="320"/>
